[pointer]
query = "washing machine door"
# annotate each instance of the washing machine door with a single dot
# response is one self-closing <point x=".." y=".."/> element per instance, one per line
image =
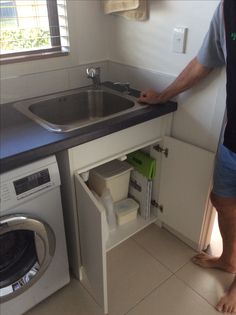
<point x="27" y="246"/>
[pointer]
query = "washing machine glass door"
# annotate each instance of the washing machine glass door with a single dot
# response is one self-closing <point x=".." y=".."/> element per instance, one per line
<point x="27" y="246"/>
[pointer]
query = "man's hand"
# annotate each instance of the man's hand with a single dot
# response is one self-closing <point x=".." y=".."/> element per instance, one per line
<point x="149" y="97"/>
<point x="190" y="76"/>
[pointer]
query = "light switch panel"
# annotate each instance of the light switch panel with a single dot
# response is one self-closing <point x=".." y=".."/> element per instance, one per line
<point x="179" y="39"/>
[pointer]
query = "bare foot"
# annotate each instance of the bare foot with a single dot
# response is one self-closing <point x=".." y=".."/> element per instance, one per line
<point x="228" y="302"/>
<point x="206" y="261"/>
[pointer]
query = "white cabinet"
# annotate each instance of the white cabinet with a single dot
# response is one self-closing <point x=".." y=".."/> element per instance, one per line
<point x="92" y="221"/>
<point x="184" y="187"/>
<point x="180" y="197"/>
<point x="91" y="154"/>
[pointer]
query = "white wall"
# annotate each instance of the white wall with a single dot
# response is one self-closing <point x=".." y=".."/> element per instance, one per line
<point x="148" y="44"/>
<point x="88" y="41"/>
<point x="147" y="48"/>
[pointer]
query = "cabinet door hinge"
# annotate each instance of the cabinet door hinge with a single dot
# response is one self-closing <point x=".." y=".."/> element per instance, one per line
<point x="156" y="205"/>
<point x="158" y="148"/>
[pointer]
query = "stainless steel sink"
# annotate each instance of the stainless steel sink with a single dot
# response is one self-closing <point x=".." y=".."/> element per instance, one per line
<point x="72" y="110"/>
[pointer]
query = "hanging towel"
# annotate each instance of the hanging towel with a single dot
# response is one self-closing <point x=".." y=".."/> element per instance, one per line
<point x="112" y="6"/>
<point x="135" y="10"/>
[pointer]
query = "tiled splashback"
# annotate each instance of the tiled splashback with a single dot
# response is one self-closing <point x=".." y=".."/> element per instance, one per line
<point x="139" y="78"/>
<point x="42" y="83"/>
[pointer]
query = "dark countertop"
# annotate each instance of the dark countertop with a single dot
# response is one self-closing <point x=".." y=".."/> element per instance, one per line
<point x="23" y="141"/>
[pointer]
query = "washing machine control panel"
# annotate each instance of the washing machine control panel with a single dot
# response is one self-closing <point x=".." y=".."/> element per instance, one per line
<point x="27" y="182"/>
<point x="13" y="191"/>
<point x="31" y="181"/>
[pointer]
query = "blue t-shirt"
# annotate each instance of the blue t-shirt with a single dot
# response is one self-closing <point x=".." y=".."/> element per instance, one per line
<point x="218" y="46"/>
<point x="213" y="50"/>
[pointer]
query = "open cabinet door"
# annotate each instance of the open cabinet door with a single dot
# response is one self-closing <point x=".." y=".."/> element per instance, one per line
<point x="185" y="183"/>
<point x="92" y="220"/>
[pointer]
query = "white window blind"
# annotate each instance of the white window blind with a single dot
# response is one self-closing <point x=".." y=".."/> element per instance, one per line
<point x="32" y="29"/>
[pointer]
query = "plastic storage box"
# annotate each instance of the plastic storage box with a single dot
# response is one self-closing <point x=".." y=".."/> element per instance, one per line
<point x="126" y="210"/>
<point x="115" y="176"/>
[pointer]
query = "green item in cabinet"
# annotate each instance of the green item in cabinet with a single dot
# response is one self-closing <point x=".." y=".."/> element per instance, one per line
<point x="143" y="163"/>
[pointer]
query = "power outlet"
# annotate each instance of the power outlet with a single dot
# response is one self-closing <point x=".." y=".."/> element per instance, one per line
<point x="179" y="40"/>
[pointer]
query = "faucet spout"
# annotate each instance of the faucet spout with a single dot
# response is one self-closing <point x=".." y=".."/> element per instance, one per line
<point x="94" y="74"/>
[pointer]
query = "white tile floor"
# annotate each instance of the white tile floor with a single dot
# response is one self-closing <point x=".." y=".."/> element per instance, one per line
<point x="149" y="274"/>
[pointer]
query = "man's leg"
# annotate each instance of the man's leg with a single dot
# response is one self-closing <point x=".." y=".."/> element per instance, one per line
<point x="223" y="199"/>
<point x="226" y="208"/>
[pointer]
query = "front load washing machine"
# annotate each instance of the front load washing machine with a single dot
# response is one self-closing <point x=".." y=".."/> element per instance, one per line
<point x="33" y="255"/>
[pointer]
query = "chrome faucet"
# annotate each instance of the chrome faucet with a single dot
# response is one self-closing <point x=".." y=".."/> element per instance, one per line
<point x="125" y="85"/>
<point x="94" y="74"/>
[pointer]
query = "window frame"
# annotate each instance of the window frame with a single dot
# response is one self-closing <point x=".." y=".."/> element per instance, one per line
<point x="55" y="51"/>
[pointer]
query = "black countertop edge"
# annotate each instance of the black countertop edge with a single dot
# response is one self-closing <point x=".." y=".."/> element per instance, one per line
<point x="87" y="134"/>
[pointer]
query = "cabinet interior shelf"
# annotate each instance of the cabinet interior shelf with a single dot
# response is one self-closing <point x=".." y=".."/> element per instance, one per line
<point x="123" y="232"/>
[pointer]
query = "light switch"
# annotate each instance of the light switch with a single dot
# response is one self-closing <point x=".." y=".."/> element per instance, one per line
<point x="179" y="39"/>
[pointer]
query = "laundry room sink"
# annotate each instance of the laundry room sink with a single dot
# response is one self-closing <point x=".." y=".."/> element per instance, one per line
<point x="73" y="110"/>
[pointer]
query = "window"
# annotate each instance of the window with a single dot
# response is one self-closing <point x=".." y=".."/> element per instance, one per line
<point x="32" y="29"/>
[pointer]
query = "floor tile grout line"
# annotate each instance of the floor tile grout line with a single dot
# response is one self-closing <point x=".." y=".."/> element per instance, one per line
<point x="174" y="273"/>
<point x="179" y="268"/>
<point x="147" y="295"/>
<point x="190" y="287"/>
<point x="147" y="251"/>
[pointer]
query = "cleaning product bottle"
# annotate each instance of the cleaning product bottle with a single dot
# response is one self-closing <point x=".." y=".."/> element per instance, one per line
<point x="108" y="204"/>
<point x="105" y="227"/>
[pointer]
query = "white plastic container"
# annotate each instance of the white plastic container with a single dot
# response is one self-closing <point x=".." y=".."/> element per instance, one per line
<point x="115" y="176"/>
<point x="126" y="210"/>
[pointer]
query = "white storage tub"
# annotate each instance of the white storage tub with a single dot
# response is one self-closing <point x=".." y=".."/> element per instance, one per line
<point x="126" y="210"/>
<point x="113" y="175"/>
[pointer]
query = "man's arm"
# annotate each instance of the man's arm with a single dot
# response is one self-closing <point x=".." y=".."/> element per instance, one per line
<point x="189" y="77"/>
